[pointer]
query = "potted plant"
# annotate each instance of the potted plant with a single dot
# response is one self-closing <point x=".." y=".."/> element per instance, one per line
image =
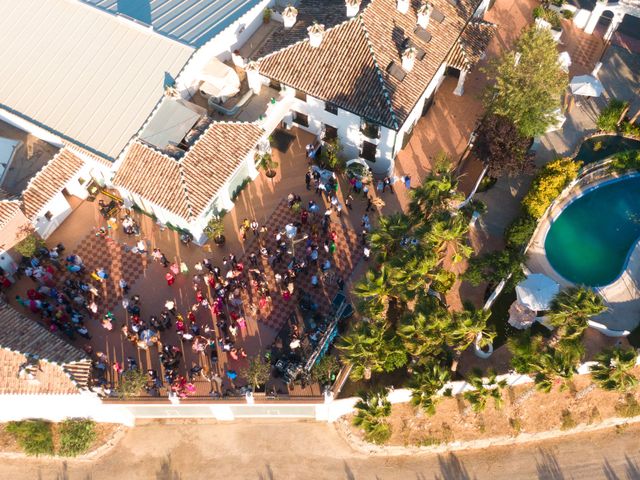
<point x="215" y="230"/>
<point x="268" y="164"/>
<point x="266" y="15"/>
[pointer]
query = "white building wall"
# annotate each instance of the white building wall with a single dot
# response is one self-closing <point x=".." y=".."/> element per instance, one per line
<point x="221" y="46"/>
<point x="348" y="125"/>
<point x="59" y="209"/>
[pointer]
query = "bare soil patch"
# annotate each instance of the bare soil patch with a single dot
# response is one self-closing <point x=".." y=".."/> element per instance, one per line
<point x="525" y="410"/>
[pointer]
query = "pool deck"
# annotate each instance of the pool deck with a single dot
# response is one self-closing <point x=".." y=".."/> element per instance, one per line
<point x="622" y="296"/>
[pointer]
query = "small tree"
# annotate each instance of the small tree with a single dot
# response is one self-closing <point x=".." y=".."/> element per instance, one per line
<point x="131" y="383"/>
<point x="502" y="148"/>
<point x="484" y="389"/>
<point x="526" y="84"/>
<point x="614" y="369"/>
<point x="28" y="246"/>
<point x="425" y="385"/>
<point x="257" y="373"/>
<point x="76" y="436"/>
<point x="215" y="229"/>
<point x="371" y="411"/>
<point x="267" y="163"/>
<point x="324" y="372"/>
<point x="331" y="156"/>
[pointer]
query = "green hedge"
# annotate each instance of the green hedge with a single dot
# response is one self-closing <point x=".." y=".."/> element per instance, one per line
<point x="35" y="437"/>
<point x="548" y="184"/>
<point x="76" y="436"/>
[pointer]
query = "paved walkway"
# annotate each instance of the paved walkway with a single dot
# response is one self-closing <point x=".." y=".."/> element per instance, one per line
<point x="271" y="450"/>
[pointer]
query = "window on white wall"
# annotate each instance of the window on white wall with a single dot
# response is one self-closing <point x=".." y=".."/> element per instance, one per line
<point x="301" y="95"/>
<point x="370" y="130"/>
<point x="330" y="133"/>
<point x="301" y="119"/>
<point x="368" y="151"/>
<point x="331" y="108"/>
<point x="48" y="216"/>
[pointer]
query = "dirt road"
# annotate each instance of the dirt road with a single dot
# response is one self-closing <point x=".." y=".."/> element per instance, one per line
<point x="305" y="450"/>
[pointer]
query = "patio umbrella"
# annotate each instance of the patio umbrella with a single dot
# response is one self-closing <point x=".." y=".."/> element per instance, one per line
<point x="537" y="291"/>
<point x="586" y="85"/>
<point x="520" y="316"/>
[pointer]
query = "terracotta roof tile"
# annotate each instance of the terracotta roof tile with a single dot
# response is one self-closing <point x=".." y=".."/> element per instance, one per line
<point x="187" y="185"/>
<point x="472" y="44"/>
<point x="342" y="71"/>
<point x="62" y="367"/>
<point x="49" y="181"/>
<point x="9" y="209"/>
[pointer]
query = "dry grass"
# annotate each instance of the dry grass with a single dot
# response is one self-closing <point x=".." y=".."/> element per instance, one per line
<point x="525" y="410"/>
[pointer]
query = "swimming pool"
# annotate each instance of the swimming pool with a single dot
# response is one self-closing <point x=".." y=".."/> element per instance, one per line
<point x="590" y="241"/>
<point x="603" y="146"/>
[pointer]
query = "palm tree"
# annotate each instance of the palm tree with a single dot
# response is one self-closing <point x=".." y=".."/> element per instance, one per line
<point x="449" y="237"/>
<point x="571" y="310"/>
<point x="372" y="348"/>
<point x="432" y="197"/>
<point x="371" y="411"/>
<point x="267" y="163"/>
<point x="411" y="272"/>
<point x="375" y="287"/>
<point x="525" y="350"/>
<point x="425" y="385"/>
<point x="557" y="365"/>
<point x="484" y="389"/>
<point x="422" y="330"/>
<point x="385" y="239"/>
<point x="613" y="370"/>
<point x="468" y="327"/>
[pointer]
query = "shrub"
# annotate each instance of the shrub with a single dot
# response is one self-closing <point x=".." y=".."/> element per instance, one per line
<point x="371" y="410"/>
<point x="520" y="231"/>
<point x="568" y="14"/>
<point x="629" y="160"/>
<point x="34" y="436"/>
<point x="76" y="436"/>
<point x="630" y="129"/>
<point x="29" y="245"/>
<point x="610" y="115"/>
<point x="567" y="422"/>
<point x="324" y="372"/>
<point x="548" y="184"/>
<point x="495" y="266"/>
<point x="131" y="383"/>
<point x="629" y="407"/>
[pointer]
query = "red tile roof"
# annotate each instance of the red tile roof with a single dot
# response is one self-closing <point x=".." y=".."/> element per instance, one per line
<point x="49" y="181"/>
<point x="186" y="186"/>
<point x="469" y="49"/>
<point x="349" y="68"/>
<point x="9" y="209"/>
<point x="60" y="368"/>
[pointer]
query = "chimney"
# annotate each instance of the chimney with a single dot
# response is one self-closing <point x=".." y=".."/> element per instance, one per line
<point x="403" y="6"/>
<point x="253" y="77"/>
<point x="352" y="7"/>
<point x="424" y="13"/>
<point x="408" y="59"/>
<point x="289" y="16"/>
<point x="316" y="32"/>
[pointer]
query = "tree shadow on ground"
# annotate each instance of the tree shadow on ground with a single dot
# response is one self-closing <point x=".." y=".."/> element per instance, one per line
<point x="548" y="467"/>
<point x="452" y="467"/>
<point x="268" y="475"/>
<point x="167" y="471"/>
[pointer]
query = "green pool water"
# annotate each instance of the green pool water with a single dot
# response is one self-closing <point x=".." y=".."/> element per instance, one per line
<point x="598" y="148"/>
<point x="591" y="239"/>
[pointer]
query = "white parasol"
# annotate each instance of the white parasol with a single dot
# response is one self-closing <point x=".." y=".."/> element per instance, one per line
<point x="537" y="291"/>
<point x="586" y="85"/>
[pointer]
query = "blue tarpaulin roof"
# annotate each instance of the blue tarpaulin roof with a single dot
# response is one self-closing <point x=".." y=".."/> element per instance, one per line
<point x="193" y="22"/>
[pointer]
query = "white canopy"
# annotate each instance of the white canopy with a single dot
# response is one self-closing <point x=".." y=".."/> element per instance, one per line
<point x="586" y="85"/>
<point x="537" y="291"/>
<point x="219" y="80"/>
<point x="565" y="61"/>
